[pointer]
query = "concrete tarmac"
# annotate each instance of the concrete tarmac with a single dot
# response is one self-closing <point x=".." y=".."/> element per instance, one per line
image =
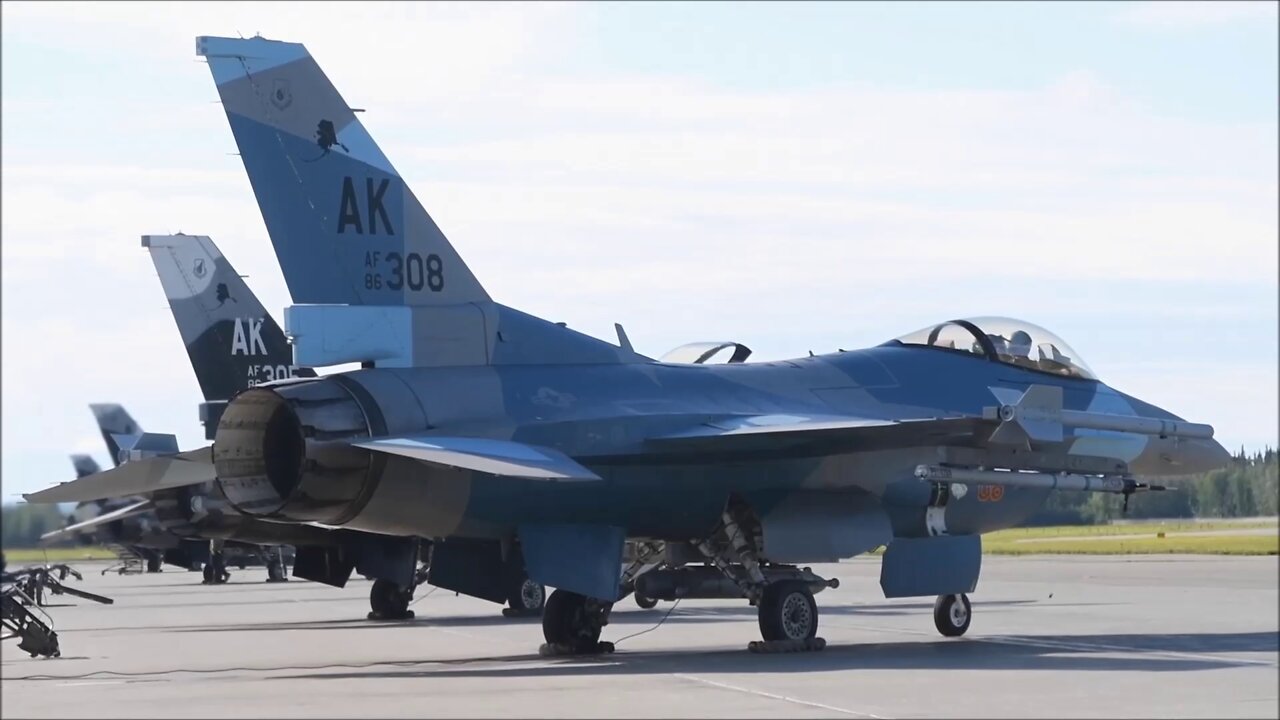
<point x="1052" y="636"/>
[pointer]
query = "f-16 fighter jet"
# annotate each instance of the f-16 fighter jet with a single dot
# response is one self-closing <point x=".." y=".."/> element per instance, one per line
<point x="471" y="421"/>
<point x="112" y="522"/>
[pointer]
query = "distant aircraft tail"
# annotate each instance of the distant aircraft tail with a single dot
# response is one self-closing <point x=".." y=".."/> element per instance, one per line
<point x="84" y="465"/>
<point x="346" y="228"/>
<point x="118" y="428"/>
<point x="232" y="340"/>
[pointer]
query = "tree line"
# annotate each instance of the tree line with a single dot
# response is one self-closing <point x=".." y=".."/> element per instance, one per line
<point x="1247" y="487"/>
<point x="22" y="525"/>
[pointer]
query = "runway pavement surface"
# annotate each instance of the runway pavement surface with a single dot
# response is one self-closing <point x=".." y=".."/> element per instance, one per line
<point x="1056" y="636"/>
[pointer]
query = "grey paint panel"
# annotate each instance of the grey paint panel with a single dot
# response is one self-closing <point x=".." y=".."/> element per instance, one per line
<point x="943" y="565"/>
<point x="586" y="559"/>
<point x="823" y="526"/>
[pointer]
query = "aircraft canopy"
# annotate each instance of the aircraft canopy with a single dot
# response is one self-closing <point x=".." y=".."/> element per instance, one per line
<point x="1006" y="340"/>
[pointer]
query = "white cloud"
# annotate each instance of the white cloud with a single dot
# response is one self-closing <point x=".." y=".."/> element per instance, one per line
<point x="1190" y="14"/>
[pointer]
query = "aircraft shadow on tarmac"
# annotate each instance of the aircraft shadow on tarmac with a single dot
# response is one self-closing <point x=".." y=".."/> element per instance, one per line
<point x="1027" y="652"/>
<point x="624" y="616"/>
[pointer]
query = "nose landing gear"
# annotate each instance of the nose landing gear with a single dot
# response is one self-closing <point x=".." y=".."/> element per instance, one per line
<point x="951" y="614"/>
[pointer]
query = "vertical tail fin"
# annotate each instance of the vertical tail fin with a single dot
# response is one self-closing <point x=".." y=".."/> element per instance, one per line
<point x="346" y="228"/>
<point x="114" y="420"/>
<point x="84" y="465"/>
<point x="232" y="340"/>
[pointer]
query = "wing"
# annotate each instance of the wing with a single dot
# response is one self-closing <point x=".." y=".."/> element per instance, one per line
<point x="119" y="514"/>
<point x="778" y="432"/>
<point x="496" y="457"/>
<point x="136" y="477"/>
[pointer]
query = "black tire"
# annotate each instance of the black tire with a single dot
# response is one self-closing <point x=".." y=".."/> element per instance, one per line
<point x="952" y="614"/>
<point x="566" y="621"/>
<point x="527" y="596"/>
<point x="646" y="603"/>
<point x="153" y="564"/>
<point x="387" y="600"/>
<point x="787" y="611"/>
<point x="207" y="571"/>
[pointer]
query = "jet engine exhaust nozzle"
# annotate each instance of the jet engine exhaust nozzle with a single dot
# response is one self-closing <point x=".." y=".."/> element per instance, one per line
<point x="274" y="457"/>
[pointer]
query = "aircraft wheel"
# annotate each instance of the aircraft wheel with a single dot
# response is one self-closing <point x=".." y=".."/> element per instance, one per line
<point x="527" y="596"/>
<point x="388" y="602"/>
<point x="276" y="571"/>
<point x="573" y="621"/>
<point x="787" y="611"/>
<point x="645" y="602"/>
<point x="207" y="571"/>
<point x="951" y="614"/>
<point x="153" y="565"/>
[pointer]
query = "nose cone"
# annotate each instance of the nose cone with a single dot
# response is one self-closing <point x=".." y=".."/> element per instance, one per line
<point x="1180" y="456"/>
<point x="1174" y="455"/>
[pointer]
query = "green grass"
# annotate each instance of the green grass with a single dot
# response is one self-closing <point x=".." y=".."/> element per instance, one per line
<point x="16" y="556"/>
<point x="1192" y="545"/>
<point x="1060" y="540"/>
<point x="1133" y="529"/>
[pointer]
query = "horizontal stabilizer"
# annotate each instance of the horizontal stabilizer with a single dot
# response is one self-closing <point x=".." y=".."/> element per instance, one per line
<point x="127" y="511"/>
<point x="496" y="457"/>
<point x="769" y="432"/>
<point x="136" y="477"/>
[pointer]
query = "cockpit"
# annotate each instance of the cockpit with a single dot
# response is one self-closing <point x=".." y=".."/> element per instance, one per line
<point x="1005" y="340"/>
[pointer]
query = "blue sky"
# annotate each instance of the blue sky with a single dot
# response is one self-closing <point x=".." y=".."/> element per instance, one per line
<point x="795" y="176"/>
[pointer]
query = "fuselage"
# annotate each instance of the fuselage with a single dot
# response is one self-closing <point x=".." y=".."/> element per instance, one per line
<point x="606" y="416"/>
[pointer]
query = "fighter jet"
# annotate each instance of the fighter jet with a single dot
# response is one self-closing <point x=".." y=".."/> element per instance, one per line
<point x="128" y="523"/>
<point x="470" y="421"/>
<point x="108" y="522"/>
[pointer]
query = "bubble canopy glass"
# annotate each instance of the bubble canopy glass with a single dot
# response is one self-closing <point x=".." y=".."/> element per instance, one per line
<point x="1006" y="340"/>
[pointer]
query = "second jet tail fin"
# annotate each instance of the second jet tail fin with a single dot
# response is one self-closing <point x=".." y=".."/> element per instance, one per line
<point x="232" y="340"/>
<point x="84" y="465"/>
<point x="115" y="424"/>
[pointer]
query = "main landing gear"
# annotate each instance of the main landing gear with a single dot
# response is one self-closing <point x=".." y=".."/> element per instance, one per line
<point x="571" y="624"/>
<point x="526" y="598"/>
<point x="274" y="560"/>
<point x="389" y="601"/>
<point x="782" y="594"/>
<point x="215" y="571"/>
<point x="951" y="614"/>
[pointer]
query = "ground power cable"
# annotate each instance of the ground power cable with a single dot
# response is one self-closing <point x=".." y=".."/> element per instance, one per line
<point x="650" y="629"/>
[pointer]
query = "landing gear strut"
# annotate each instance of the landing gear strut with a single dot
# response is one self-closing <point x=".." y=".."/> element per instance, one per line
<point x="215" y="571"/>
<point x="389" y="601"/>
<point x="275" y="566"/>
<point x="951" y="614"/>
